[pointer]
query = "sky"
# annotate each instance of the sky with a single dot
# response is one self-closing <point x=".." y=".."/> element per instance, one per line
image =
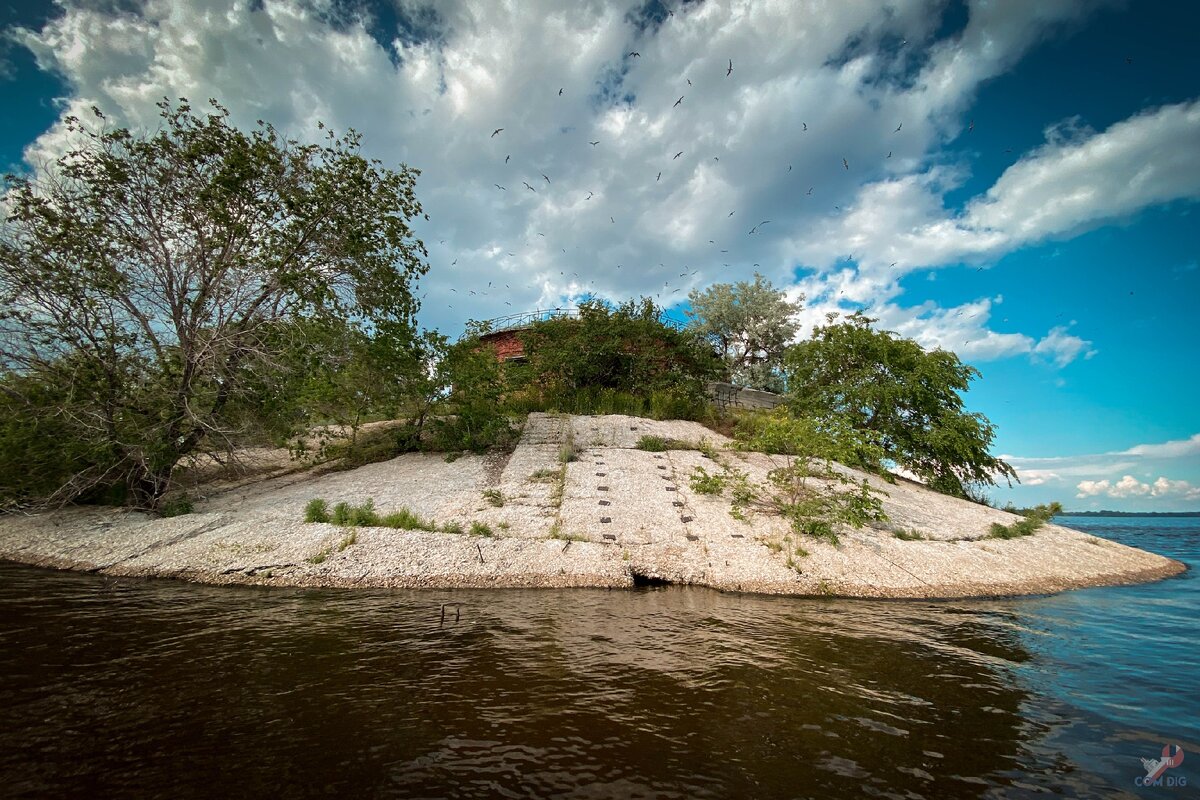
<point x="1015" y="181"/>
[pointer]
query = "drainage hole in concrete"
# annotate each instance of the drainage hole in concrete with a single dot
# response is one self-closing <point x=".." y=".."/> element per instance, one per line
<point x="606" y="519"/>
<point x="606" y="502"/>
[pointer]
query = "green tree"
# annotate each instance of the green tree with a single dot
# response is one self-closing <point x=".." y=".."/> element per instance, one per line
<point x="908" y="399"/>
<point x="626" y="348"/>
<point x="148" y="276"/>
<point x="750" y="324"/>
<point x="472" y="386"/>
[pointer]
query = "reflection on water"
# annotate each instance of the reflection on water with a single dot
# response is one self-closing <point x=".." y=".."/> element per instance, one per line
<point x="144" y="687"/>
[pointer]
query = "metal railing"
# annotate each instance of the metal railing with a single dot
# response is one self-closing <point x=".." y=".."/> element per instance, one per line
<point x="525" y="319"/>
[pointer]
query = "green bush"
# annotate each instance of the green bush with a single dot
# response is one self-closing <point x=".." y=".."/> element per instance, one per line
<point x="317" y="510"/>
<point x="176" y="506"/>
<point x="341" y="514"/>
<point x="406" y="520"/>
<point x="494" y="496"/>
<point x="703" y="483"/>
<point x="1034" y="518"/>
<point x="652" y="444"/>
<point x="480" y="529"/>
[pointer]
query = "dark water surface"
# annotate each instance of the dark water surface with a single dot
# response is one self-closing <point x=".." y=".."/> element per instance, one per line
<point x="155" y="688"/>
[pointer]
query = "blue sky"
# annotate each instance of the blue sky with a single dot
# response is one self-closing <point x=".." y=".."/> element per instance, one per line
<point x="1035" y="211"/>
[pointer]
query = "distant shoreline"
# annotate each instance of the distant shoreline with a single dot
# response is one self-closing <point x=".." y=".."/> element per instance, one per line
<point x="1191" y="514"/>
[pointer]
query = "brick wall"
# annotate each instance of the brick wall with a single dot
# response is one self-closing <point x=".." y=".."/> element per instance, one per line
<point x="507" y="344"/>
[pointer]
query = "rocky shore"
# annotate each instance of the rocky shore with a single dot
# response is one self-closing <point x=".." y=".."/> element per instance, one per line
<point x="614" y="517"/>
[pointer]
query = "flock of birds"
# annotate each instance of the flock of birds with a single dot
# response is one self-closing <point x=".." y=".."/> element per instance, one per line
<point x="672" y="294"/>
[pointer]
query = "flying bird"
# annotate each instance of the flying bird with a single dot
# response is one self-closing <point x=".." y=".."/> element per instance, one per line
<point x="635" y="54"/>
<point x="593" y="144"/>
<point x="845" y="163"/>
<point x="498" y="186"/>
<point x="560" y="92"/>
<point x="809" y="190"/>
<point x="805" y="124"/>
<point x="495" y="132"/>
<point x="689" y="80"/>
<point x="659" y="178"/>
<point x="544" y="176"/>
<point x="730" y="214"/>
<point x="729" y="71"/>
<point x="898" y="127"/>
<point x="680" y="100"/>
<point x="613" y="221"/>
<point x="677" y="155"/>
<point x="506" y="158"/>
<point x="530" y="188"/>
<point x="759" y="225"/>
<point x="589" y="197"/>
<point x="971" y="127"/>
<point x="889" y="155"/>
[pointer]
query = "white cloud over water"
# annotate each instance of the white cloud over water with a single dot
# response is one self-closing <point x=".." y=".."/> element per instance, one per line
<point x="1129" y="486"/>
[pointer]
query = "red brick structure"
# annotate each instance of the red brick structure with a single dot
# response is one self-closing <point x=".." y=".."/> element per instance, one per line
<point x="507" y="344"/>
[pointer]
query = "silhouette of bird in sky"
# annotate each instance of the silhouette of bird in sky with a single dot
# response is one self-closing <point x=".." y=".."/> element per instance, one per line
<point x="498" y="186"/>
<point x="589" y="197"/>
<point x="898" y="127"/>
<point x="730" y="214"/>
<point x="544" y="176"/>
<point x="560" y="92"/>
<point x="805" y="124"/>
<point x="495" y="132"/>
<point x="659" y="178"/>
<point x="729" y="71"/>
<point x="677" y="155"/>
<point x="810" y="190"/>
<point x="635" y="54"/>
<point x="593" y="144"/>
<point x="759" y="225"/>
<point x="680" y="100"/>
<point x="506" y="158"/>
<point x="530" y="188"/>
<point x="845" y="163"/>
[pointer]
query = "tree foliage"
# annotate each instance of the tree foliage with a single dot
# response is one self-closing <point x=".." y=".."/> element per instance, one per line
<point x="750" y="324"/>
<point x="473" y="386"/>
<point x="626" y="348"/>
<point x="145" y="280"/>
<point x="907" y="399"/>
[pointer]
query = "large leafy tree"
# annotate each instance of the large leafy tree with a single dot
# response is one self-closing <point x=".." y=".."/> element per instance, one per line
<point x="147" y="278"/>
<point x="626" y="348"/>
<point x="750" y="324"/>
<point x="908" y="399"/>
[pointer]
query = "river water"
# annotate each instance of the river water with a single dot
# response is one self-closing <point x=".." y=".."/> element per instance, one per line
<point x="156" y="688"/>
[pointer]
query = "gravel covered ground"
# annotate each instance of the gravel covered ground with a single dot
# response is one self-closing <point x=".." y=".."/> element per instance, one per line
<point x="613" y="516"/>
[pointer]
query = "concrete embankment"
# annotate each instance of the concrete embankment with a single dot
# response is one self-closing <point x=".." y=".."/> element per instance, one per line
<point x="614" y="517"/>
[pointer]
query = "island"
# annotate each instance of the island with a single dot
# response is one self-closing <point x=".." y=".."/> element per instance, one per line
<point x="578" y="502"/>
